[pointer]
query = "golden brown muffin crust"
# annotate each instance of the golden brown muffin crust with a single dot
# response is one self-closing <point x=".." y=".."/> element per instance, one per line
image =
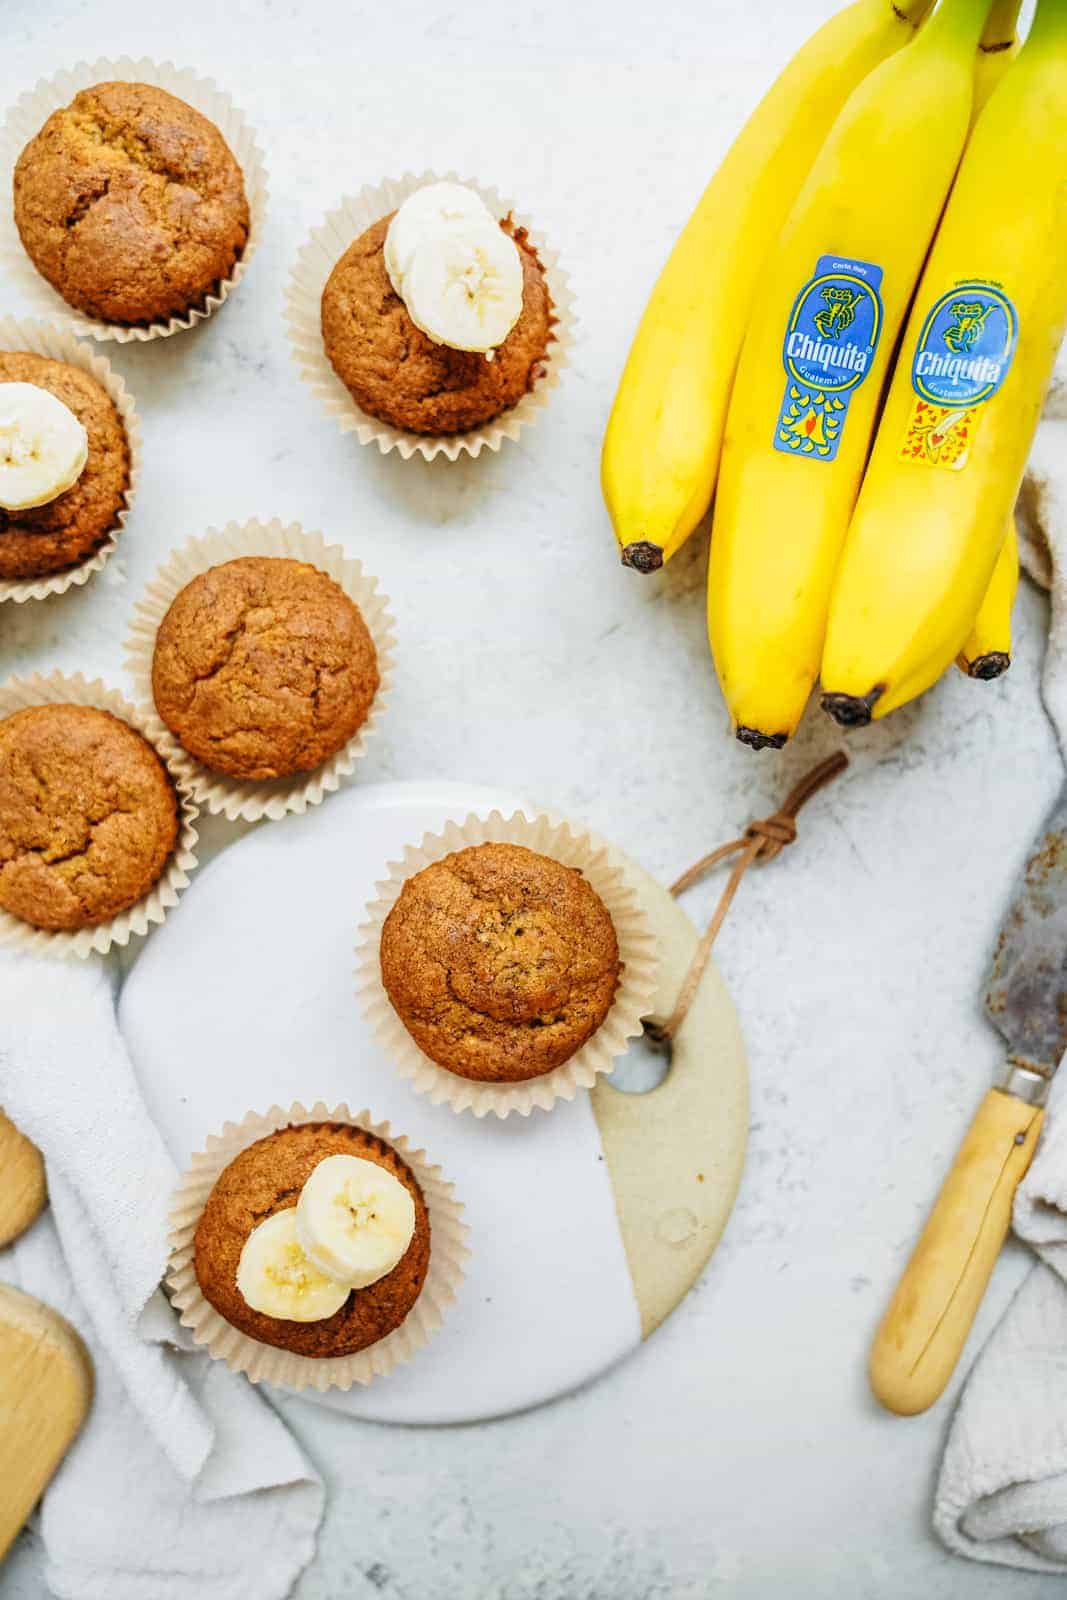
<point x="130" y="203"/>
<point x="88" y="816"/>
<point x="500" y="962"/>
<point x="68" y="529"/>
<point x="398" y="374"/>
<point x="263" y="667"/>
<point x="268" y="1177"/>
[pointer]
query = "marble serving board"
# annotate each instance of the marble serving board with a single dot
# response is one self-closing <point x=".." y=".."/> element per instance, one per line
<point x="588" y="1224"/>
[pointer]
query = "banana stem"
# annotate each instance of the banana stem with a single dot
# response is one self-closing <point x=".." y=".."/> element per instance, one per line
<point x="958" y="22"/>
<point x="999" y="30"/>
<point x="913" y="11"/>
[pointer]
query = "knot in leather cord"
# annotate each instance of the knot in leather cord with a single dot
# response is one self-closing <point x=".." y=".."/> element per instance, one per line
<point x="774" y="833"/>
<point x="761" y="841"/>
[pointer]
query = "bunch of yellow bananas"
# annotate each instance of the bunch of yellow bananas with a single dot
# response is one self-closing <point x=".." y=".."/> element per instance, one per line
<point x="862" y="528"/>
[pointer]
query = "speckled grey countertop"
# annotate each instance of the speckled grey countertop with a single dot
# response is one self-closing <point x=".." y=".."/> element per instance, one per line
<point x="739" y="1453"/>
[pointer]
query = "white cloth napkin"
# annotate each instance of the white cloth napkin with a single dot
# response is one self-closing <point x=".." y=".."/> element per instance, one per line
<point x="1002" y="1491"/>
<point x="184" y="1484"/>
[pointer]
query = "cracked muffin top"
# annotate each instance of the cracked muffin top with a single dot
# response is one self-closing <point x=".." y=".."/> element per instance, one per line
<point x="398" y="374"/>
<point x="63" y="532"/>
<point x="267" y="1178"/>
<point x="263" y="667"/>
<point x="88" y="816"/>
<point x="500" y="962"/>
<point x="130" y="203"/>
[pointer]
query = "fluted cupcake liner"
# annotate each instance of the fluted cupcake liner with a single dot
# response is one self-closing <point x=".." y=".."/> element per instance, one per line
<point x="606" y="872"/>
<point x="59" y="344"/>
<point x="26" y="118"/>
<point x="317" y="259"/>
<point x="248" y="799"/>
<point x="15" y="695"/>
<point x="264" y="1363"/>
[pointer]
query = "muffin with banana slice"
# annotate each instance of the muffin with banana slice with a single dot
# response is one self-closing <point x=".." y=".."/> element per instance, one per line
<point x="315" y="1239"/>
<point x="500" y="962"/>
<point x="64" y="465"/>
<point x="438" y="318"/>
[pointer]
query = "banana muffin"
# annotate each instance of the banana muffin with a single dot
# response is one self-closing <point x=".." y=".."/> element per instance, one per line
<point x="267" y="1179"/>
<point x="130" y="203"/>
<point x="395" y="372"/>
<point x="500" y="962"/>
<point x="65" y="531"/>
<point x="88" y="816"/>
<point x="263" y="667"/>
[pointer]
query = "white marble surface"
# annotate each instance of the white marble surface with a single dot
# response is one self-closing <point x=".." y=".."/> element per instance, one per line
<point x="738" y="1453"/>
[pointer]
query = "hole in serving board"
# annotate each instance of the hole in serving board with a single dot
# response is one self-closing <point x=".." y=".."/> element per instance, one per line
<point x="644" y="1066"/>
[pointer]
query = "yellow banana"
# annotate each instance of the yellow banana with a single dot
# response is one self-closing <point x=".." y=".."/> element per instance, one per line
<point x="830" y="308"/>
<point x="987" y="652"/>
<point x="965" y="399"/>
<point x="661" y="448"/>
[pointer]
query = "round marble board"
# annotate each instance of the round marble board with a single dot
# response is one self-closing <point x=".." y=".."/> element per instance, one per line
<point x="588" y="1223"/>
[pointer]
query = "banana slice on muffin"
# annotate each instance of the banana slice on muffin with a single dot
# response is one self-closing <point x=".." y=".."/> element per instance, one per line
<point x="276" y="1277"/>
<point x="354" y="1220"/>
<point x="352" y="1224"/>
<point x="432" y="211"/>
<point x="456" y="270"/>
<point x="65" y="464"/>
<point x="43" y="446"/>
<point x="465" y="290"/>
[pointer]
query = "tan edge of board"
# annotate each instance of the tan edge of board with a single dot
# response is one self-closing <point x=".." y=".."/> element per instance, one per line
<point x="22" y="1186"/>
<point x="46" y="1385"/>
<point x="675" y="1155"/>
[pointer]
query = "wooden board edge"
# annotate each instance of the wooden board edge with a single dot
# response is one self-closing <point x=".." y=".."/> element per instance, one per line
<point x="46" y="1389"/>
<point x="39" y="1321"/>
<point x="22" y="1182"/>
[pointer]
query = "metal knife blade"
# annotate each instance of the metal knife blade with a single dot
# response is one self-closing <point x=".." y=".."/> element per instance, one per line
<point x="1027" y="997"/>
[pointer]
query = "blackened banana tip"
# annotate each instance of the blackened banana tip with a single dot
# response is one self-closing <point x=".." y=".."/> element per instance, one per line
<point x="851" y="710"/>
<point x="990" y="665"/>
<point x="643" y="556"/>
<point x="761" y="741"/>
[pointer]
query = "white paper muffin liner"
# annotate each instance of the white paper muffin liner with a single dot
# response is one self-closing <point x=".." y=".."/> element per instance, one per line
<point x="242" y="798"/>
<point x="26" y="118"/>
<point x="316" y="261"/>
<point x="59" y="344"/>
<point x="607" y="874"/>
<point x="264" y="1363"/>
<point x="152" y="908"/>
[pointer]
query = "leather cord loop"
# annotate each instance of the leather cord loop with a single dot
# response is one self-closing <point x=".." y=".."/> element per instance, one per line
<point x="761" y="841"/>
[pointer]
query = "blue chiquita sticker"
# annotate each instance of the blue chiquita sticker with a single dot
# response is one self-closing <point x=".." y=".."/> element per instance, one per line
<point x="828" y="350"/>
<point x="966" y="346"/>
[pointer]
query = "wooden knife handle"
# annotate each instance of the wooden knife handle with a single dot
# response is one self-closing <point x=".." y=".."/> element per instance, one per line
<point x="923" y="1332"/>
